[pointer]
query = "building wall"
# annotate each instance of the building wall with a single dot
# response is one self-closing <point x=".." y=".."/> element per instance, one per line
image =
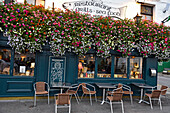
<point x="132" y="7"/>
<point x="23" y="86"/>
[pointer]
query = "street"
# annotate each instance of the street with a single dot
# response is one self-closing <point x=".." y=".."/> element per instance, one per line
<point x="164" y="80"/>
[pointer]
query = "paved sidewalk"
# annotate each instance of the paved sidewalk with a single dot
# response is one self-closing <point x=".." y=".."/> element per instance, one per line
<point x="26" y="106"/>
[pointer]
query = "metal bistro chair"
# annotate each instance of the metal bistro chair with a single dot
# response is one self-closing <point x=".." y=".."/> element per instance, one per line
<point x="87" y="91"/>
<point x="127" y="90"/>
<point x="63" y="101"/>
<point x="116" y="97"/>
<point x="41" y="88"/>
<point x="155" y="95"/>
<point x="163" y="91"/>
<point x="73" y="91"/>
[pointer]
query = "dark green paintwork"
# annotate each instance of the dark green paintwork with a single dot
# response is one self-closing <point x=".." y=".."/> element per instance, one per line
<point x="23" y="86"/>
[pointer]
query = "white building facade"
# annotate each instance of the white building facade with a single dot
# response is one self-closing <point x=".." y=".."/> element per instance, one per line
<point x="155" y="10"/>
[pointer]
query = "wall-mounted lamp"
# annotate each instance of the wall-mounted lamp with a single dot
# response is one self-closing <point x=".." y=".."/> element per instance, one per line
<point x="137" y="18"/>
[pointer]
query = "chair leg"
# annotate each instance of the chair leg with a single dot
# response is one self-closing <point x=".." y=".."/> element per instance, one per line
<point x="34" y="100"/>
<point x="48" y="99"/>
<point x="122" y="106"/>
<point x="111" y="106"/>
<point x="82" y="96"/>
<point x="70" y="108"/>
<point x="131" y="99"/>
<point x="55" y="108"/>
<point x="76" y="98"/>
<point x="150" y="103"/>
<point x="160" y="103"/>
<point x="90" y="100"/>
<point x="96" y="97"/>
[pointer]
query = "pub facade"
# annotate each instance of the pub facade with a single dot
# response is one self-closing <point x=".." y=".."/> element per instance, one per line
<point x="18" y="72"/>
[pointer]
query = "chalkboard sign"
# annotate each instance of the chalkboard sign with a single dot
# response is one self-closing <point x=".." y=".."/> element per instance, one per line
<point x="56" y="72"/>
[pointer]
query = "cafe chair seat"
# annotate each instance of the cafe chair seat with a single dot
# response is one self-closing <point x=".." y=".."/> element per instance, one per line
<point x="90" y="92"/>
<point x="43" y="92"/>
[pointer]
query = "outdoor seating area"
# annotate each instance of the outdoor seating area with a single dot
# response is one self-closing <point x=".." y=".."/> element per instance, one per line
<point x="112" y="94"/>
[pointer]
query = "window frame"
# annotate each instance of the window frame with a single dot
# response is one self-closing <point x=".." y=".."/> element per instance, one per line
<point x="12" y="64"/>
<point x="112" y="69"/>
<point x="145" y="14"/>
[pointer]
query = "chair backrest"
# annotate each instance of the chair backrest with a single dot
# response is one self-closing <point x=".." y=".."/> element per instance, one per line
<point x="156" y="93"/>
<point x="119" y="88"/>
<point x="117" y="96"/>
<point x="40" y="86"/>
<point x="84" y="87"/>
<point x="163" y="89"/>
<point x="78" y="87"/>
<point x="63" y="98"/>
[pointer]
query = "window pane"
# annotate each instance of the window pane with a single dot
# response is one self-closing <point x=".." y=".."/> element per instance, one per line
<point x="136" y="68"/>
<point x="86" y="66"/>
<point x="24" y="64"/>
<point x="5" y="59"/>
<point x="104" y="67"/>
<point x="147" y="17"/>
<point x="120" y="67"/>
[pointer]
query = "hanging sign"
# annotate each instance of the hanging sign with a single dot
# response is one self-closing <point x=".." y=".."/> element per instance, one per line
<point x="95" y="8"/>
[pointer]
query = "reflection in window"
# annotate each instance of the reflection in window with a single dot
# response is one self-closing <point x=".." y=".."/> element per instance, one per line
<point x="120" y="67"/>
<point x="86" y="66"/>
<point x="136" y="68"/>
<point x="104" y="67"/>
<point x="24" y="64"/>
<point x="5" y="58"/>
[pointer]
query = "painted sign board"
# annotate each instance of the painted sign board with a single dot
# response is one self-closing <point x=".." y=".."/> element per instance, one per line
<point x="93" y="7"/>
<point x="56" y="75"/>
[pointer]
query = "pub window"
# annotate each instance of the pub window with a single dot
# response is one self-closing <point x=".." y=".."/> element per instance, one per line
<point x="5" y="59"/>
<point x="24" y="64"/>
<point x="147" y="12"/>
<point x="86" y="66"/>
<point x="120" y="67"/>
<point x="104" y="67"/>
<point x="136" y="67"/>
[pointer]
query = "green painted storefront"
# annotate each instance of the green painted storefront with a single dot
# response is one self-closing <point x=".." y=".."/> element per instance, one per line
<point x="18" y="86"/>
